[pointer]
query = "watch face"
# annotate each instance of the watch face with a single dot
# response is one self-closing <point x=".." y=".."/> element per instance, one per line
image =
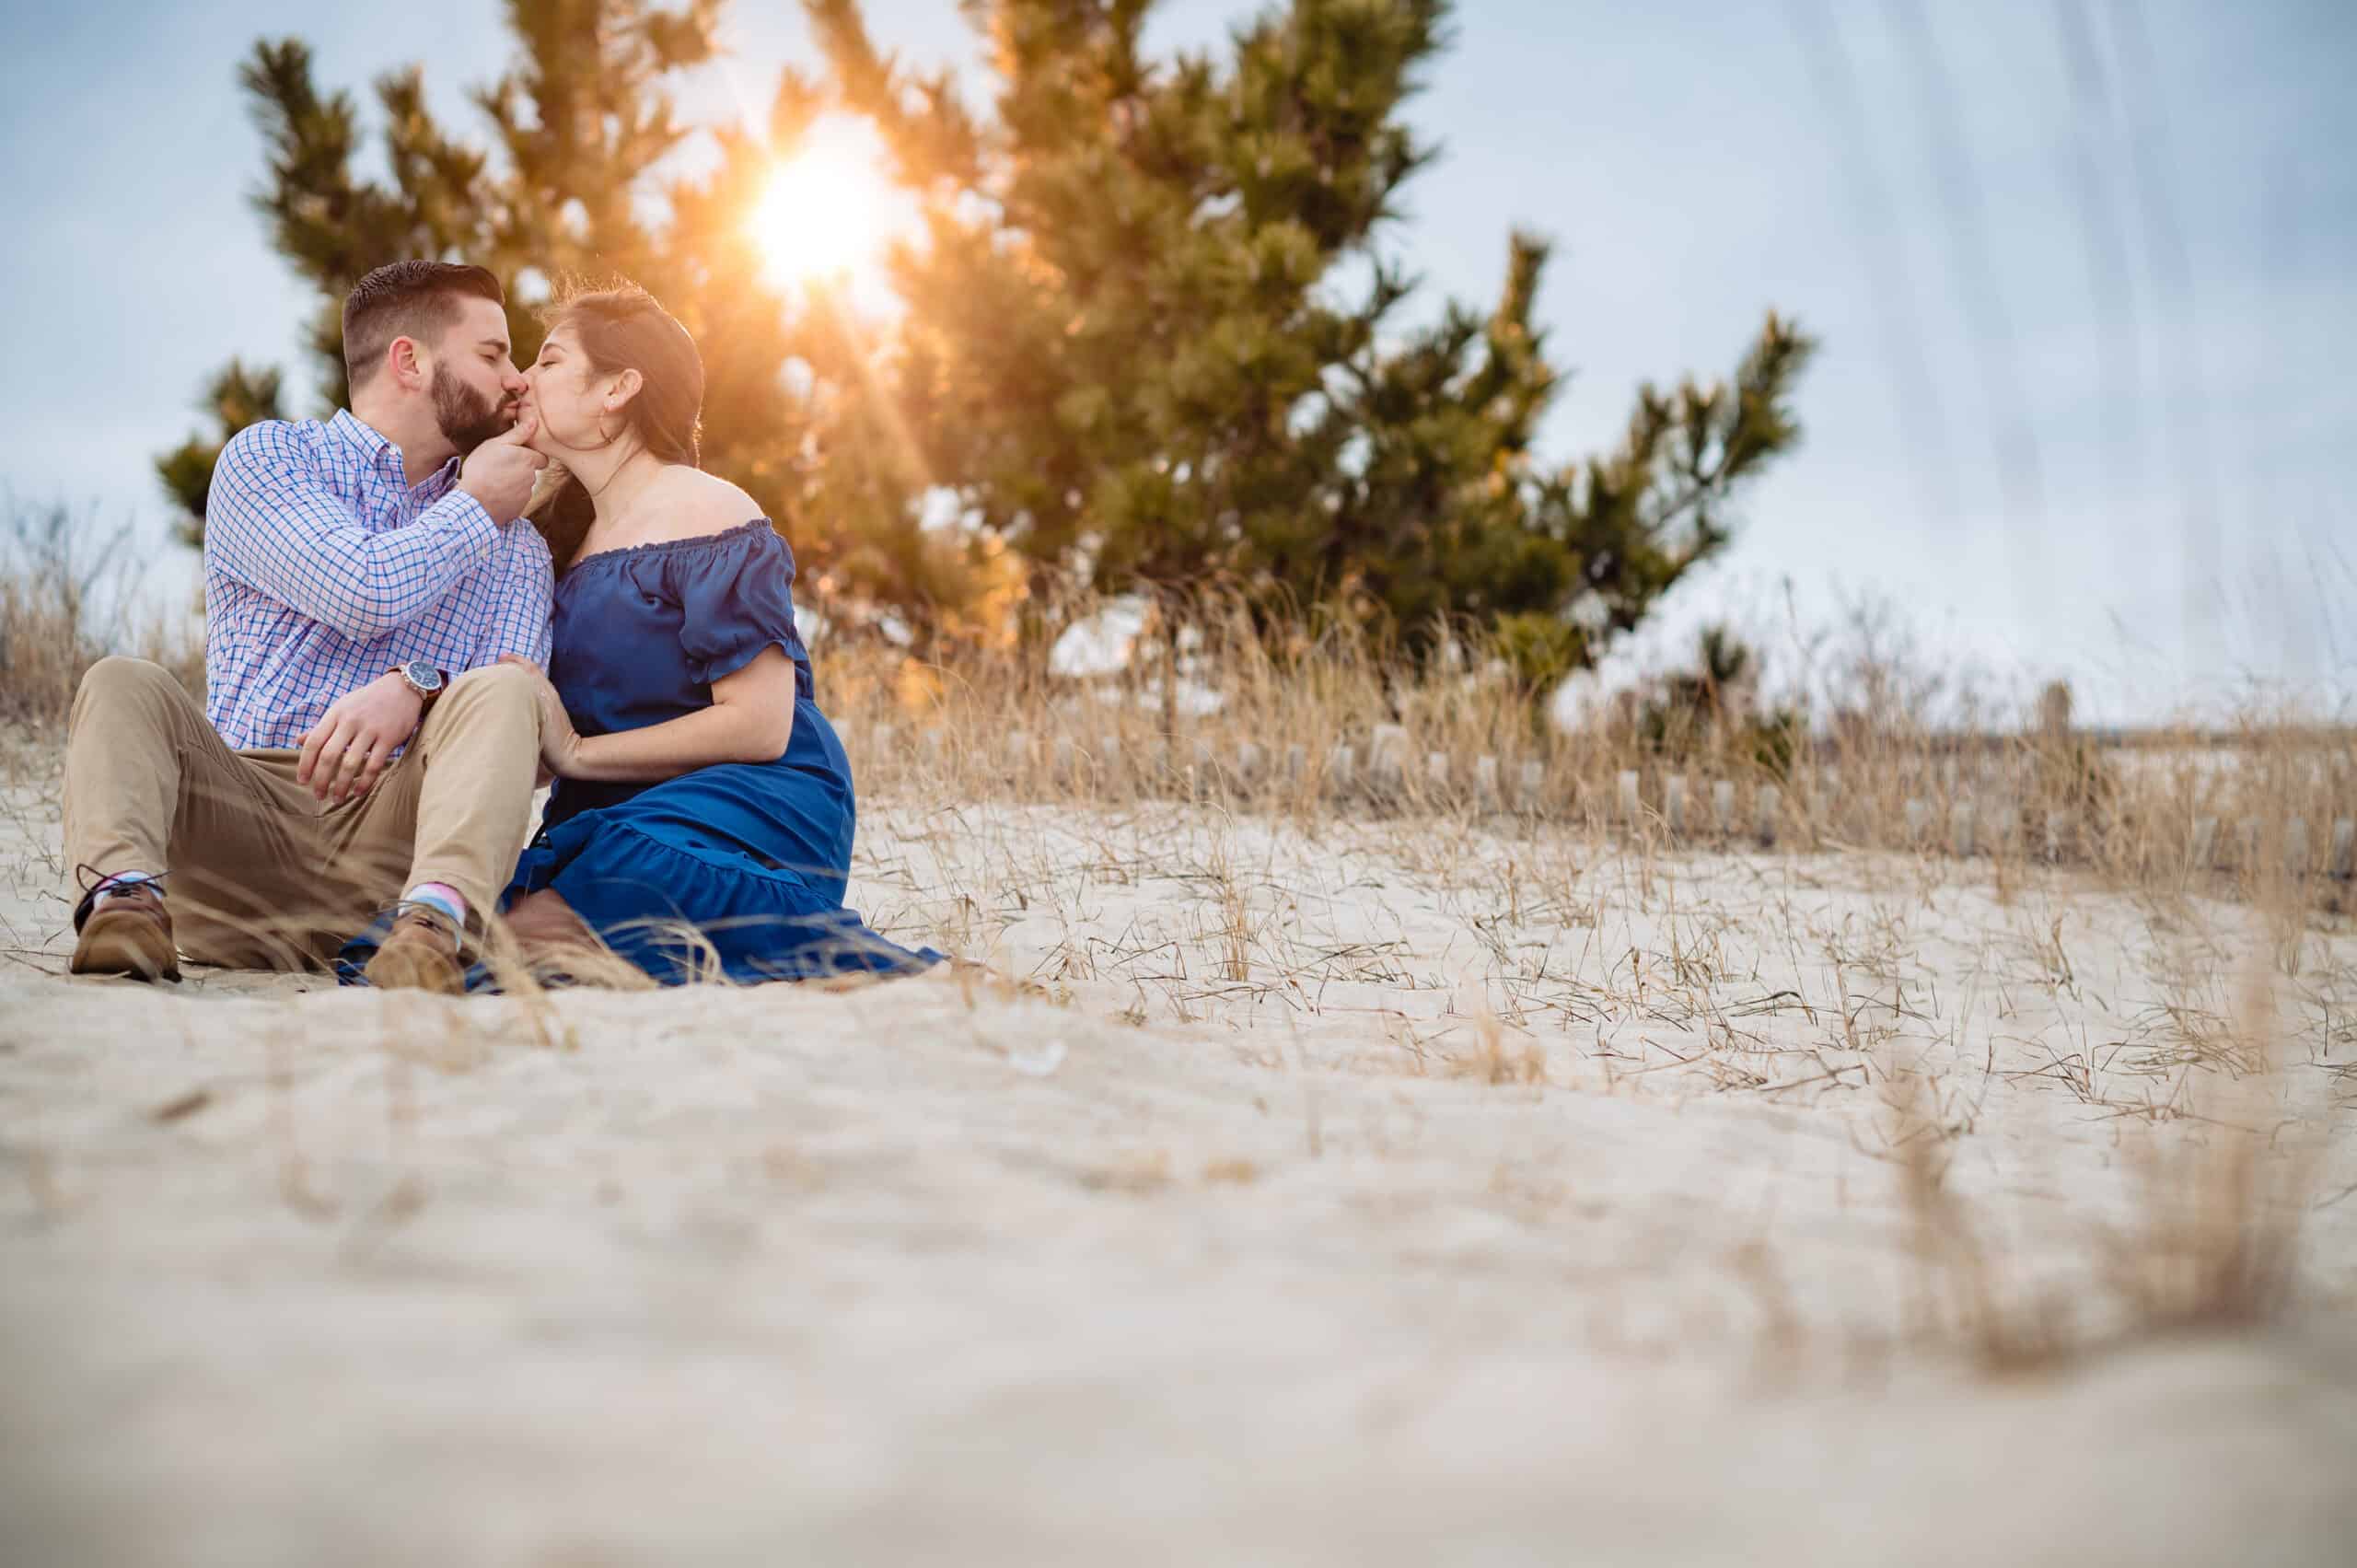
<point x="422" y="676"/>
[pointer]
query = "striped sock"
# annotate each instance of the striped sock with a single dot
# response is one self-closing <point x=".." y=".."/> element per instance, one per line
<point x="442" y="897"/>
<point x="116" y="884"/>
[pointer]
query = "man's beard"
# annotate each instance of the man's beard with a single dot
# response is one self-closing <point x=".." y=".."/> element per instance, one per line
<point x="466" y="417"/>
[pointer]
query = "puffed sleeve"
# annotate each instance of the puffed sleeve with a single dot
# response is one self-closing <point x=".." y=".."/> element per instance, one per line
<point x="735" y="599"/>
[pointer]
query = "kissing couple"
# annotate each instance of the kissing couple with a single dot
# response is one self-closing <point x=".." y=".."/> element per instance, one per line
<point x="470" y="582"/>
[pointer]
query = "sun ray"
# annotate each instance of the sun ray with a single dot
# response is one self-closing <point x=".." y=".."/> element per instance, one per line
<point x="828" y="208"/>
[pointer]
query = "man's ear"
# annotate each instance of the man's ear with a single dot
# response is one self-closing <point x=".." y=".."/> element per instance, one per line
<point x="409" y="368"/>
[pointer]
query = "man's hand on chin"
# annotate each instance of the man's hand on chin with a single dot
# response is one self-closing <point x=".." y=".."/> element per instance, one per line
<point x="349" y="747"/>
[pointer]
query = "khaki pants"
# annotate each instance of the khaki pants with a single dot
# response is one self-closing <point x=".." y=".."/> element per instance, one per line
<point x="263" y="874"/>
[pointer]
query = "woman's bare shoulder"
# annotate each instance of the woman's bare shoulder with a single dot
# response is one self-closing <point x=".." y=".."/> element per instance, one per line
<point x="689" y="504"/>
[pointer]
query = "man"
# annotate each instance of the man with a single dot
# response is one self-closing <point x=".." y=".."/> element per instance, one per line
<point x="361" y="744"/>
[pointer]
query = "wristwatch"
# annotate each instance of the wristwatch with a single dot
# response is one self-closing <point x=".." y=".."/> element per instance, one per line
<point x="423" y="680"/>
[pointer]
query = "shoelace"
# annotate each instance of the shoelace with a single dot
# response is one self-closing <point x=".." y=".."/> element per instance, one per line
<point x="105" y="881"/>
<point x="432" y="912"/>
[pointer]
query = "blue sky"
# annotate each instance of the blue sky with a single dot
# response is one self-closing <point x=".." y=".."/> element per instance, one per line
<point x="2086" y="289"/>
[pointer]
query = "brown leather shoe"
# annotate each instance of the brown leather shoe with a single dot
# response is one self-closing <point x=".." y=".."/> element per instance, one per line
<point x="127" y="932"/>
<point x="422" y="954"/>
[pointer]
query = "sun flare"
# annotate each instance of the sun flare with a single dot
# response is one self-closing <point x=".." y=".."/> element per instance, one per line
<point x="829" y="208"/>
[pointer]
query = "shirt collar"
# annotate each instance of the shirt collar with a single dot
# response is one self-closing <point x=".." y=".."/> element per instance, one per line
<point x="378" y="450"/>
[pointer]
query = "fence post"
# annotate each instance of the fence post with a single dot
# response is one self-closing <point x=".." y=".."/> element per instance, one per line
<point x="1628" y="785"/>
<point x="1960" y="829"/>
<point x="2344" y="848"/>
<point x="1387" y="757"/>
<point x="1340" y="762"/>
<point x="1673" y="804"/>
<point x="1764" y="807"/>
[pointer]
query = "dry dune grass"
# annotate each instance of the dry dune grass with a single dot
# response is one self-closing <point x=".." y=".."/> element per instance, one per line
<point x="1287" y="1159"/>
<point x="64" y="603"/>
<point x="1325" y="721"/>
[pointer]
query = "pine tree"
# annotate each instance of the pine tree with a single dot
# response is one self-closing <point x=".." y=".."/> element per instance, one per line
<point x="235" y="397"/>
<point x="1151" y="333"/>
<point x="580" y="125"/>
<point x="1131" y="345"/>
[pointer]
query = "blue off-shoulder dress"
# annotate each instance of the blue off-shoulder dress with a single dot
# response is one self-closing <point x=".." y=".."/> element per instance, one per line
<point x="751" y="855"/>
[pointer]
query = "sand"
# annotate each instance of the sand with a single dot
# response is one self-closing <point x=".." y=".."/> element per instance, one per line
<point x="1366" y="1193"/>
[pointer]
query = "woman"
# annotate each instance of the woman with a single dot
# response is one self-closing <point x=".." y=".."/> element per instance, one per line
<point x="702" y="809"/>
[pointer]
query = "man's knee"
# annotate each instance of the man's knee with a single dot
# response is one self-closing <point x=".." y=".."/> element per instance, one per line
<point x="511" y="681"/>
<point x="119" y="684"/>
<point x="506" y="687"/>
<point x="497" y="694"/>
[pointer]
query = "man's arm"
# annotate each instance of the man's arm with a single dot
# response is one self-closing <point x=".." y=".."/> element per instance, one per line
<point x="521" y="588"/>
<point x="344" y="754"/>
<point x="271" y="521"/>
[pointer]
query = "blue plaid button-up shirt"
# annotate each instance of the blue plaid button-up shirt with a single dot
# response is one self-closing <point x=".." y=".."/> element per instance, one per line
<point x="323" y="569"/>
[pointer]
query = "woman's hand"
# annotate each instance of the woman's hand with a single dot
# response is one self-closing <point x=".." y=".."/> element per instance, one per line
<point x="559" y="742"/>
<point x="749" y="719"/>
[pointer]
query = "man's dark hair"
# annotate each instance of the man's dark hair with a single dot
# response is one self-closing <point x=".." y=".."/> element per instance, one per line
<point x="406" y="299"/>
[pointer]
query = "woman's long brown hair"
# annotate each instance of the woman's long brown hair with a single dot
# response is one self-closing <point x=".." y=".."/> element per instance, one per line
<point x="620" y="327"/>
